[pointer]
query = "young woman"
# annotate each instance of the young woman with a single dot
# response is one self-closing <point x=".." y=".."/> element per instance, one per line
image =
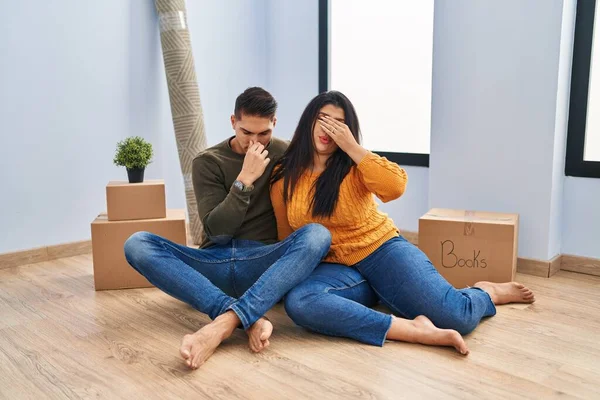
<point x="326" y="176"/>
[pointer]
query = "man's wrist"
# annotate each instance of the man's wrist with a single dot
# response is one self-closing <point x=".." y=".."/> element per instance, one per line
<point x="242" y="187"/>
<point x="245" y="180"/>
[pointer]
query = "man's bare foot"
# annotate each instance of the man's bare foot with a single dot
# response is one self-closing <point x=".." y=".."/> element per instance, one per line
<point x="422" y="330"/>
<point x="198" y="347"/>
<point x="509" y="292"/>
<point x="259" y="334"/>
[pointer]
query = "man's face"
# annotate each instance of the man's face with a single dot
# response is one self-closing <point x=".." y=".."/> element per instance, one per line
<point x="252" y="128"/>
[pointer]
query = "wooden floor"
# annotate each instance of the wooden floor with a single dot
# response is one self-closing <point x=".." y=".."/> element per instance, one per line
<point x="61" y="339"/>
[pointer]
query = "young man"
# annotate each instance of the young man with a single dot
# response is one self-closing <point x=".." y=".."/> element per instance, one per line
<point x="240" y="270"/>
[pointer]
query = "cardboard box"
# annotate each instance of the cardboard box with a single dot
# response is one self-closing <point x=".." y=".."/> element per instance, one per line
<point x="470" y="246"/>
<point x="130" y="201"/>
<point x="111" y="269"/>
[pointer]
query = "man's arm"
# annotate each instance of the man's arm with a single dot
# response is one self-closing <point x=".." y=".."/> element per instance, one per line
<point x="221" y="209"/>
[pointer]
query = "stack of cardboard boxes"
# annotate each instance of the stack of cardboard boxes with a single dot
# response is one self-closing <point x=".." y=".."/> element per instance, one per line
<point x="131" y="207"/>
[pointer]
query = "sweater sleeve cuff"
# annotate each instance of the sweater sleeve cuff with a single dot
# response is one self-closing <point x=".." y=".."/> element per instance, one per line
<point x="366" y="161"/>
<point x="240" y="194"/>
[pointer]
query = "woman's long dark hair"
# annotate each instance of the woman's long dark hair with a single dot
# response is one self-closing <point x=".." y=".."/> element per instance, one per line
<point x="300" y="153"/>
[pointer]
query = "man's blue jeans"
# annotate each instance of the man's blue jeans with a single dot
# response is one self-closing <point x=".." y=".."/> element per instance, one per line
<point x="244" y="276"/>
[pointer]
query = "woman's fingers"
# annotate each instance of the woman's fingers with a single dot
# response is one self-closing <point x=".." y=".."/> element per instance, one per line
<point x="335" y="122"/>
<point x="330" y="129"/>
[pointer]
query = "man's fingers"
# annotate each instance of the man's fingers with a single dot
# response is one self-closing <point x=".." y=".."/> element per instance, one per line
<point x="258" y="148"/>
<point x="267" y="161"/>
<point x="253" y="146"/>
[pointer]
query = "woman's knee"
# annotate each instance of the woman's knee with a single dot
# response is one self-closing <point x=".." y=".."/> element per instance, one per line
<point x="298" y="304"/>
<point x="316" y="237"/>
<point x="460" y="323"/>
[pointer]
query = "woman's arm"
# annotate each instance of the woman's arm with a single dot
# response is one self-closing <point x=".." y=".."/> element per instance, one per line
<point x="279" y="207"/>
<point x="382" y="177"/>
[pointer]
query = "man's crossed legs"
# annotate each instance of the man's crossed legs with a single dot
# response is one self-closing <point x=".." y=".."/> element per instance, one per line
<point x="235" y="284"/>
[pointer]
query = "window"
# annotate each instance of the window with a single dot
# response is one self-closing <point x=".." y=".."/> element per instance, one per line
<point x="380" y="56"/>
<point x="583" y="140"/>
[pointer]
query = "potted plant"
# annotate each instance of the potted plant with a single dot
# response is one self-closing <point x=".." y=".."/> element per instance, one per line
<point x="134" y="153"/>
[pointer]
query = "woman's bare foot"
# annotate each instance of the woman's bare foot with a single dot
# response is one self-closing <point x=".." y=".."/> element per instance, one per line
<point x="198" y="347"/>
<point x="422" y="330"/>
<point x="259" y="334"/>
<point x="509" y="292"/>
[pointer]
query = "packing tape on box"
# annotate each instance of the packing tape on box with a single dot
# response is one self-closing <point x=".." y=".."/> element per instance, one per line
<point x="468" y="227"/>
<point x="470" y="216"/>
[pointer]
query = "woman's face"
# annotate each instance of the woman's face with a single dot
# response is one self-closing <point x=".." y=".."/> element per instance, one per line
<point x="324" y="144"/>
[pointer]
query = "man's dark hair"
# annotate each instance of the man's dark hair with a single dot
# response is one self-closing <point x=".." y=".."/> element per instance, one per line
<point x="255" y="101"/>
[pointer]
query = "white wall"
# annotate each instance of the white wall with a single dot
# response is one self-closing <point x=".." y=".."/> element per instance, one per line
<point x="561" y="127"/>
<point x="495" y="78"/>
<point x="292" y="38"/>
<point x="581" y="218"/>
<point x="76" y="77"/>
<point x="64" y="103"/>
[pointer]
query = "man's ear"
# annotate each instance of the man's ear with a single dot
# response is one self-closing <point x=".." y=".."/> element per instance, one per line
<point x="274" y="121"/>
<point x="233" y="121"/>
